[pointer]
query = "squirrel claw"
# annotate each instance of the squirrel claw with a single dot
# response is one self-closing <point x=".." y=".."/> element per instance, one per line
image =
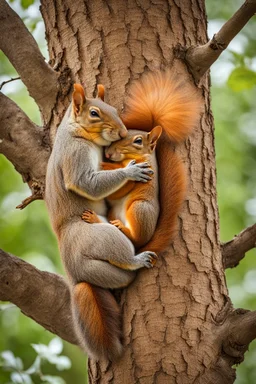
<point x="148" y="259"/>
<point x="90" y="217"/>
<point x="117" y="223"/>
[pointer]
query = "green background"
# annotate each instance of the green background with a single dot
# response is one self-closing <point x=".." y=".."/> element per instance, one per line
<point x="27" y="233"/>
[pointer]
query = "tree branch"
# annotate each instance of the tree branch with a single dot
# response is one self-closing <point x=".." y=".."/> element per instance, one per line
<point x="9" y="81"/>
<point x="200" y="58"/>
<point x="23" y="143"/>
<point x="234" y="250"/>
<point x="21" y="49"/>
<point x="42" y="296"/>
<point x="240" y="330"/>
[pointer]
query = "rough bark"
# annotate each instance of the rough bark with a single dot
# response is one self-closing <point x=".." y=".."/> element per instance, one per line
<point x="168" y="311"/>
<point x="176" y="317"/>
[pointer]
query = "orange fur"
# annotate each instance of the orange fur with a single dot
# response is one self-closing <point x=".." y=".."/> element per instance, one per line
<point x="98" y="314"/>
<point x="161" y="99"/>
<point x="122" y="191"/>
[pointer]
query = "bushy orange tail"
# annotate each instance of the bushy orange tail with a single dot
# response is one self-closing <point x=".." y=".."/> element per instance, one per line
<point x="172" y="190"/>
<point x="162" y="99"/>
<point x="98" y="321"/>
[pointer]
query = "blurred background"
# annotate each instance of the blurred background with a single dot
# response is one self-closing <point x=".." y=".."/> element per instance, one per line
<point x="27" y="233"/>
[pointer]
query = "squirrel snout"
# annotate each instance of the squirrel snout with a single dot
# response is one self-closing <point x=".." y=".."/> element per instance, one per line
<point x="123" y="133"/>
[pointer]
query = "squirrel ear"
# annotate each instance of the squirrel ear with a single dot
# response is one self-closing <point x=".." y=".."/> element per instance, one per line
<point x="78" y="98"/>
<point x="153" y="136"/>
<point x="101" y="91"/>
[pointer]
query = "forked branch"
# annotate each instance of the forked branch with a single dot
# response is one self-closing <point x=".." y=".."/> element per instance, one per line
<point x="20" y="47"/>
<point x="234" y="250"/>
<point x="42" y="296"/>
<point x="23" y="143"/>
<point x="200" y="58"/>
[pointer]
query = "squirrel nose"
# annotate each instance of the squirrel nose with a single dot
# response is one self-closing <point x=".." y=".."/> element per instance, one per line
<point x="123" y="133"/>
<point x="107" y="155"/>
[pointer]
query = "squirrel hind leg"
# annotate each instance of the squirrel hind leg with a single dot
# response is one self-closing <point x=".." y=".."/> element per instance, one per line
<point x="97" y="321"/>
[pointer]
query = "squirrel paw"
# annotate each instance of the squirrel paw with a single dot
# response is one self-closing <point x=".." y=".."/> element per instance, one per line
<point x="147" y="258"/>
<point x="118" y="224"/>
<point x="90" y="217"/>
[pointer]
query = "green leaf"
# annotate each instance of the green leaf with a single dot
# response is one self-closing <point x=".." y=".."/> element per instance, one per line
<point x="26" y="3"/>
<point x="237" y="58"/>
<point x="242" y="78"/>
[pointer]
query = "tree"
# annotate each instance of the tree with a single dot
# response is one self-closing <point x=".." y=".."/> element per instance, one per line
<point x="179" y="323"/>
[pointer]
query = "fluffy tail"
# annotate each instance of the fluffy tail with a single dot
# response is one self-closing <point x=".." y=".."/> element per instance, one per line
<point x="98" y="321"/>
<point x="161" y="99"/>
<point x="173" y="186"/>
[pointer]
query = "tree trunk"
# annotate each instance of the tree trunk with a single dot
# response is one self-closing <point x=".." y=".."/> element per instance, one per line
<point x="170" y="313"/>
<point x="176" y="317"/>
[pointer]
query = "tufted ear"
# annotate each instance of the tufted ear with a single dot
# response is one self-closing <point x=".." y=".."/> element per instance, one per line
<point x="78" y="99"/>
<point x="153" y="136"/>
<point x="101" y="91"/>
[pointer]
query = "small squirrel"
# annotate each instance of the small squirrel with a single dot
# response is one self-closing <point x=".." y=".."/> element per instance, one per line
<point x="158" y="100"/>
<point x="135" y="207"/>
<point x="96" y="258"/>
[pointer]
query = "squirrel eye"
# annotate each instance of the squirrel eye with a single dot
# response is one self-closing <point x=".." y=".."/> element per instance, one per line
<point x="138" y="140"/>
<point x="94" y="113"/>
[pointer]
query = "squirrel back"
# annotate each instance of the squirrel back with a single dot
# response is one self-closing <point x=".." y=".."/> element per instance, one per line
<point x="162" y="99"/>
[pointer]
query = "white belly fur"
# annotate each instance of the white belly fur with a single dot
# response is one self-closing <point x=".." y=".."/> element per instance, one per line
<point x="119" y="209"/>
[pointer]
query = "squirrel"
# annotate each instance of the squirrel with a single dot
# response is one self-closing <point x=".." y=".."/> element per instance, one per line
<point x="134" y="207"/>
<point x="96" y="257"/>
<point x="157" y="100"/>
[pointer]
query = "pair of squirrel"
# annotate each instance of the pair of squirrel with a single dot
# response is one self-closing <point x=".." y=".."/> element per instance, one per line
<point x="144" y="206"/>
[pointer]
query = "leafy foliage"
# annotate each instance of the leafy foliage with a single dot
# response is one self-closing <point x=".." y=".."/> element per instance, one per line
<point x="48" y="353"/>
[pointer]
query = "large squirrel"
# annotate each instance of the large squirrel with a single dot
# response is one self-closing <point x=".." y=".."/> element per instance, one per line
<point x="99" y="256"/>
<point x="96" y="257"/>
<point x="158" y="100"/>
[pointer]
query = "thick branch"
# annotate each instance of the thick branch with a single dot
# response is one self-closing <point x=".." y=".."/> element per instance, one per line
<point x="200" y="58"/>
<point x="22" y="50"/>
<point x="240" y="330"/>
<point x="234" y="250"/>
<point x="43" y="296"/>
<point x="22" y="142"/>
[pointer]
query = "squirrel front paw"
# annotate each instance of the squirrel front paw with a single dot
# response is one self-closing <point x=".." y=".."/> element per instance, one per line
<point x="139" y="171"/>
<point x="118" y="224"/>
<point x="90" y="217"/>
<point x="147" y="259"/>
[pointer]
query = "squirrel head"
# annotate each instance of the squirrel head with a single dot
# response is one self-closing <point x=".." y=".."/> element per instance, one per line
<point x="95" y="120"/>
<point x="135" y="145"/>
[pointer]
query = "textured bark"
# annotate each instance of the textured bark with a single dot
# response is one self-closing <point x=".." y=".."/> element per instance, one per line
<point x="176" y="316"/>
<point x="169" y="311"/>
